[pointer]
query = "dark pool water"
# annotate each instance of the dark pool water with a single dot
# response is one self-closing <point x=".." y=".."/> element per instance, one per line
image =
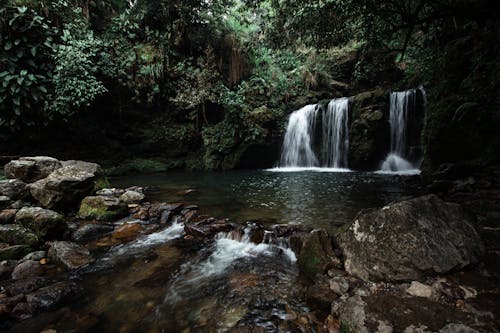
<point x="316" y="199"/>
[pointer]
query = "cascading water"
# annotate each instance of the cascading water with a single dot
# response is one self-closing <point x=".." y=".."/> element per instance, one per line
<point x="298" y="149"/>
<point x="401" y="102"/>
<point x="336" y="133"/>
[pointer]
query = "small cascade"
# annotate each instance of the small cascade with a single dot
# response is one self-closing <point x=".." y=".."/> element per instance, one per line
<point x="298" y="147"/>
<point x="336" y="133"/>
<point x="401" y="104"/>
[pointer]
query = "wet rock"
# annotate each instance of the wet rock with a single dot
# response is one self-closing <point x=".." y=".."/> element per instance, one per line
<point x="6" y="268"/>
<point x="26" y="269"/>
<point x="15" y="234"/>
<point x="70" y="255"/>
<point x="207" y="228"/>
<point x="37" y="255"/>
<point x="110" y="192"/>
<point x="102" y="208"/>
<point x="15" y="189"/>
<point x="91" y="231"/>
<point x="420" y="290"/>
<point x="22" y="311"/>
<point x="409" y="239"/>
<point x="43" y="222"/>
<point x="128" y="231"/>
<point x="7" y="304"/>
<point x="7" y="216"/>
<point x="316" y="254"/>
<point x="13" y="252"/>
<point x="25" y="286"/>
<point x="30" y="169"/>
<point x="351" y="314"/>
<point x="65" y="187"/>
<point x="4" y="202"/>
<point x="49" y="297"/>
<point x="132" y="197"/>
<point x="18" y="204"/>
<point x="157" y="209"/>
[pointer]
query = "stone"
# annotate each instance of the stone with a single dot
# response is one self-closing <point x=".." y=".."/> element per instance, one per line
<point x="22" y="311"/>
<point x="37" y="255"/>
<point x="339" y="285"/>
<point x="26" y="286"/>
<point x="49" y="297"/>
<point x="89" y="232"/>
<point x="27" y="269"/>
<point x="110" y="192"/>
<point x="320" y="294"/>
<point x="352" y="315"/>
<point x="65" y="187"/>
<point x="30" y="169"/>
<point x="132" y="197"/>
<point x="4" y="202"/>
<point x="127" y="231"/>
<point x="102" y="208"/>
<point x="15" y="234"/>
<point x="316" y="254"/>
<point x="409" y="240"/>
<point x="7" y="216"/>
<point x="13" y="252"/>
<point x="43" y="222"/>
<point x="157" y="209"/>
<point x="69" y="254"/>
<point x="7" y="304"/>
<point x="15" y="189"/>
<point x="420" y="290"/>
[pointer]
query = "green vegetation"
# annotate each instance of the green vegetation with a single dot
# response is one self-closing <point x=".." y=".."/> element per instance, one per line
<point x="215" y="77"/>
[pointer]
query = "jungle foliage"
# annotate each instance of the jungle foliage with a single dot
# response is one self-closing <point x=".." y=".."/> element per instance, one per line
<point x="221" y="73"/>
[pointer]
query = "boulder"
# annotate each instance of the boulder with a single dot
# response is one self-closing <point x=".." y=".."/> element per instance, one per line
<point x="127" y="231"/>
<point x="13" y="252"/>
<point x="65" y="187"/>
<point x="132" y="197"/>
<point x="15" y="234"/>
<point x="91" y="231"/>
<point x="25" y="286"/>
<point x="49" y="297"/>
<point x="7" y="216"/>
<point x="15" y="189"/>
<point x="30" y="169"/>
<point x="43" y="222"/>
<point x="316" y="254"/>
<point x="102" y="208"/>
<point x="70" y="255"/>
<point x="410" y="239"/>
<point x="37" y="255"/>
<point x="27" y="269"/>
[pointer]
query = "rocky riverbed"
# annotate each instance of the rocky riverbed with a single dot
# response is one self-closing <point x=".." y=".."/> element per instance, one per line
<point x="77" y="255"/>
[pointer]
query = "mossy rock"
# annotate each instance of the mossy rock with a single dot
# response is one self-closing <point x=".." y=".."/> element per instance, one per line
<point x="102" y="208"/>
<point x="314" y="257"/>
<point x="43" y="222"/>
<point x="15" y="234"/>
<point x="14" y="252"/>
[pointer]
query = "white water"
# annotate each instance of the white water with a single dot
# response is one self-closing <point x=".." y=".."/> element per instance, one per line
<point x="336" y="133"/>
<point x="298" y="150"/>
<point x="297" y="146"/>
<point x="395" y="162"/>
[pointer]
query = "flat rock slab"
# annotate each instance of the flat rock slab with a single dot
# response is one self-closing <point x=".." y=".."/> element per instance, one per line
<point x="70" y="255"/>
<point x="410" y="239"/>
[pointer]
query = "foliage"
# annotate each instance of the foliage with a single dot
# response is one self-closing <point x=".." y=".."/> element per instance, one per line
<point x="25" y="66"/>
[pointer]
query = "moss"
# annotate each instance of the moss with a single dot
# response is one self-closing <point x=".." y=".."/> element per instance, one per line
<point x="344" y="327"/>
<point x="14" y="252"/>
<point x="90" y="211"/>
<point x="101" y="183"/>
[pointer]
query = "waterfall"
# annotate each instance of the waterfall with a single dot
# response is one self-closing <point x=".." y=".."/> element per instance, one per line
<point x="401" y="103"/>
<point x="298" y="145"/>
<point x="297" y="148"/>
<point x="336" y="133"/>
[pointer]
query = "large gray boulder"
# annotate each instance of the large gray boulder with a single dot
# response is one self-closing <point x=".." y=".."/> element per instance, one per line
<point x="13" y="188"/>
<point x="65" y="187"/>
<point x="409" y="239"/>
<point x="30" y="169"/>
<point x="69" y="254"/>
<point x="43" y="222"/>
